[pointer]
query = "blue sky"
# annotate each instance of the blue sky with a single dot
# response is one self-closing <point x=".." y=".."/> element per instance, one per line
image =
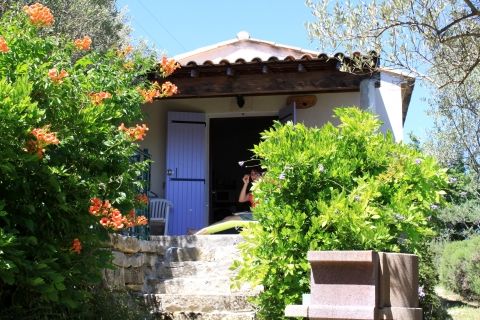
<point x="183" y="25"/>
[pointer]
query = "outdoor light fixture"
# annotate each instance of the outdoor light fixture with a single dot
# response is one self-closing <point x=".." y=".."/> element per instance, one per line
<point x="240" y="101"/>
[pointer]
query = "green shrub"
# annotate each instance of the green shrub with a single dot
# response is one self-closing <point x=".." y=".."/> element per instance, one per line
<point x="460" y="219"/>
<point x="460" y="267"/>
<point x="63" y="143"/>
<point x="333" y="188"/>
<point x="430" y="302"/>
<point x="102" y="304"/>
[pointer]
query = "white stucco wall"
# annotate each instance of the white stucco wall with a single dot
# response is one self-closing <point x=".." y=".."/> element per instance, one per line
<point x="322" y="112"/>
<point x="388" y="104"/>
<point x="156" y="115"/>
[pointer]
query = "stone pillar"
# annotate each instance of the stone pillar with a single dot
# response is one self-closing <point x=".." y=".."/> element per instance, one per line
<point x="345" y="279"/>
<point x="360" y="285"/>
<point x="398" y="286"/>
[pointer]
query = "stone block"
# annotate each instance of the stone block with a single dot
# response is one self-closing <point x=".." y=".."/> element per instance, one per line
<point x="194" y="285"/>
<point x="155" y="247"/>
<point x="114" y="279"/>
<point x="198" y="241"/>
<point x="398" y="280"/>
<point x="296" y="311"/>
<point x="341" y="256"/>
<point x="128" y="260"/>
<point x="136" y="260"/>
<point x="344" y="278"/>
<point x="341" y="312"/>
<point x="209" y="315"/>
<point x="134" y="275"/>
<point x="134" y="287"/>
<point x="152" y="260"/>
<point x="306" y="298"/>
<point x="195" y="268"/>
<point x="153" y="285"/>
<point x="177" y="254"/>
<point x="125" y="244"/>
<point x="119" y="258"/>
<point x="361" y="285"/>
<point x="198" y="303"/>
<point x="399" y="313"/>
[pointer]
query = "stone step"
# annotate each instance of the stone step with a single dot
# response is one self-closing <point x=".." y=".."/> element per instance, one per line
<point x="192" y="285"/>
<point x="199" y="269"/>
<point x="176" y="257"/>
<point x="200" y="241"/>
<point x="208" y="316"/>
<point x="160" y="244"/>
<point x="170" y="303"/>
<point x="179" y="254"/>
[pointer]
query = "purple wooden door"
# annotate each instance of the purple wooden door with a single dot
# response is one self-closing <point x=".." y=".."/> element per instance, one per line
<point x="185" y="176"/>
<point x="288" y="113"/>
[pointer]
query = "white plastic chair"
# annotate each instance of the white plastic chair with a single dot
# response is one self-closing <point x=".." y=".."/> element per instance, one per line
<point x="159" y="210"/>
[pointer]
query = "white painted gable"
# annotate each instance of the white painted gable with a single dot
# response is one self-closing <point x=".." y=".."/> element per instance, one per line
<point x="242" y="47"/>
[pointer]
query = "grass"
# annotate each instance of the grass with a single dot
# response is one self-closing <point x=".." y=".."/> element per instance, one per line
<point x="458" y="308"/>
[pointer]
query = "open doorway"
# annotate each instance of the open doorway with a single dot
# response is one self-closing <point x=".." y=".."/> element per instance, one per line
<point x="231" y="140"/>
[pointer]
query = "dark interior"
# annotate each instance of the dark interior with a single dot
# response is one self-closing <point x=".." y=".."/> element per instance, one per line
<point x="231" y="140"/>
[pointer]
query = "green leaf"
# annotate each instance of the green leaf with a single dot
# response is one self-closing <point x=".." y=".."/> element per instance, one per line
<point x="83" y="62"/>
<point x="37" y="281"/>
<point x="29" y="224"/>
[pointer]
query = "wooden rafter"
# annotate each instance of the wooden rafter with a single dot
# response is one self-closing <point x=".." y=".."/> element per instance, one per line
<point x="263" y="78"/>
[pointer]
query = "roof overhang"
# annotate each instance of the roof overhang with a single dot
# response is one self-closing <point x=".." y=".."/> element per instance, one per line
<point x="407" y="91"/>
<point x="271" y="77"/>
<point x="245" y="66"/>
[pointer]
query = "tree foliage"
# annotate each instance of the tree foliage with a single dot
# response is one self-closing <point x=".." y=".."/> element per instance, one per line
<point x="438" y="41"/>
<point x="408" y="34"/>
<point x="99" y="19"/>
<point x="335" y="188"/>
<point x="69" y="128"/>
<point x="460" y="219"/>
<point x="455" y="139"/>
<point x="460" y="267"/>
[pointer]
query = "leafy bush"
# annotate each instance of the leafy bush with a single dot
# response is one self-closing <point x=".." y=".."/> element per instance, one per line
<point x="430" y="302"/>
<point x="333" y="188"/>
<point x="66" y="175"/>
<point x="460" y="267"/>
<point x="460" y="219"/>
<point x="103" y="304"/>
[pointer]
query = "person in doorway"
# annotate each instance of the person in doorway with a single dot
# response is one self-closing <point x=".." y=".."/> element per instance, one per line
<point x="240" y="218"/>
<point x="247" y="196"/>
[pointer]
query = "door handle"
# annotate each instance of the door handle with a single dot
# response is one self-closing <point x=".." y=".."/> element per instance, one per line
<point x="170" y="172"/>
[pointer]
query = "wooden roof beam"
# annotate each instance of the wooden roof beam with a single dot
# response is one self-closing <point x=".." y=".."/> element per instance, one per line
<point x="266" y="83"/>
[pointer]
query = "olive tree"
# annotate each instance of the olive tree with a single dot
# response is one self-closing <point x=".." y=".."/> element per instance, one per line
<point x="100" y="19"/>
<point x="437" y="41"/>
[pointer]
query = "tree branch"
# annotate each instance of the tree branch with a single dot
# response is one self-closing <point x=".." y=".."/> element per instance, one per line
<point x="461" y="134"/>
<point x="472" y="6"/>
<point x="459" y="36"/>
<point x="470" y="70"/>
<point x="454" y="22"/>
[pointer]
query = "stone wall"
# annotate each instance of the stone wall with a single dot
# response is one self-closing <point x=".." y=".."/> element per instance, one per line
<point x="134" y="261"/>
<point x="166" y="263"/>
<point x="182" y="277"/>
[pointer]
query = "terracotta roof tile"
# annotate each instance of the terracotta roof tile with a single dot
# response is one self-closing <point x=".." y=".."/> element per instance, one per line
<point x="245" y="50"/>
